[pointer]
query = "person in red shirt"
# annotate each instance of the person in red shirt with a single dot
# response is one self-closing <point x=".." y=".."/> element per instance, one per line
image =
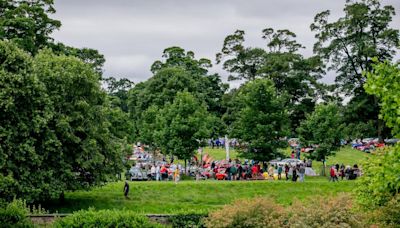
<point x="254" y="171"/>
<point x="333" y="174"/>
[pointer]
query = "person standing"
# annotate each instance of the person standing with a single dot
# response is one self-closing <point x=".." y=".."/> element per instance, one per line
<point x="271" y="172"/>
<point x="287" y="171"/>
<point x="240" y="171"/>
<point x="176" y="175"/>
<point x="294" y="173"/>
<point x="302" y="171"/>
<point x="153" y="172"/>
<point x="342" y="171"/>
<point x="280" y="172"/>
<point x="158" y="173"/>
<point x="126" y="190"/>
<point x="233" y="172"/>
<point x="292" y="155"/>
<point x="333" y="174"/>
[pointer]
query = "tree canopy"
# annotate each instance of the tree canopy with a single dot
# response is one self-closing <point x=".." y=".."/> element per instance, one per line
<point x="182" y="126"/>
<point x="55" y="134"/>
<point x="262" y="121"/>
<point x="323" y="129"/>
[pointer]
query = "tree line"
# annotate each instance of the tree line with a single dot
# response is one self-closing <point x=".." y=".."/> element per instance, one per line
<point x="64" y="126"/>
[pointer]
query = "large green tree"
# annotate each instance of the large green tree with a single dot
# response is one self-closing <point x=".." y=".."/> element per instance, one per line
<point x="178" y="71"/>
<point x="322" y="129"/>
<point x="293" y="75"/>
<point x="348" y="45"/>
<point x="384" y="82"/>
<point x="118" y="89"/>
<point x="262" y="121"/>
<point x="380" y="182"/>
<point x="182" y="126"/>
<point x="27" y="23"/>
<point x="55" y="131"/>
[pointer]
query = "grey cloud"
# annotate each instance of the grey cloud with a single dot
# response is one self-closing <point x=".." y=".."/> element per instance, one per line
<point x="132" y="34"/>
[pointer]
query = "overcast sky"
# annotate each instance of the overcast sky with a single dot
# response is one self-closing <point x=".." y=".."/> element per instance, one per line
<point x="132" y="34"/>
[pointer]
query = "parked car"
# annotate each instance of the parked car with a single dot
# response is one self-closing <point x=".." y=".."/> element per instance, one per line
<point x="221" y="174"/>
<point x="290" y="161"/>
<point x="136" y="174"/>
<point x="391" y="141"/>
<point x="274" y="162"/>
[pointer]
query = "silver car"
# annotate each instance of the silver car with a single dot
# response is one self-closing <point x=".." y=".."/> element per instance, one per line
<point x="137" y="174"/>
<point x="290" y="161"/>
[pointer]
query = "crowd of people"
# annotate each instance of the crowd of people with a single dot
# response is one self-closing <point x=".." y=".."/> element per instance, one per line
<point x="230" y="170"/>
<point x="348" y="173"/>
<point x="235" y="170"/>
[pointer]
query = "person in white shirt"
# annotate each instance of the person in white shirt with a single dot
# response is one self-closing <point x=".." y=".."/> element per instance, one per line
<point x="157" y="173"/>
<point x="153" y="172"/>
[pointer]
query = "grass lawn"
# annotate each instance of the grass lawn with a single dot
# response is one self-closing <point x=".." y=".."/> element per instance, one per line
<point x="219" y="153"/>
<point x="345" y="155"/>
<point x="166" y="197"/>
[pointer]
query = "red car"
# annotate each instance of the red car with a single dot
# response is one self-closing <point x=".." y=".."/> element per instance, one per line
<point x="221" y="175"/>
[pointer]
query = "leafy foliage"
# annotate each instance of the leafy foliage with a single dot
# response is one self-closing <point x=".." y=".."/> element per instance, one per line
<point x="380" y="184"/>
<point x="15" y="214"/>
<point x="324" y="129"/>
<point x="182" y="126"/>
<point x="87" y="55"/>
<point x="179" y="71"/>
<point x="187" y="219"/>
<point x="322" y="212"/>
<point x="348" y="46"/>
<point x="262" y="212"/>
<point x="55" y="133"/>
<point x="292" y="74"/>
<point x="383" y="82"/>
<point x="105" y="218"/>
<point x="262" y="121"/>
<point x="350" y="43"/>
<point x="27" y="23"/>
<point x="380" y="180"/>
<point x="258" y="212"/>
<point x="388" y="215"/>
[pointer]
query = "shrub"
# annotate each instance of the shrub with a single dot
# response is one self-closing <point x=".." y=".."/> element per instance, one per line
<point x="194" y="220"/>
<point x="389" y="215"/>
<point x="380" y="181"/>
<point x="15" y="214"/>
<point x="105" y="218"/>
<point x="259" y="212"/>
<point x="322" y="212"/>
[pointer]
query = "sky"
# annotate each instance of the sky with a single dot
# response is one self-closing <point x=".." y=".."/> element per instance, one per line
<point x="132" y="34"/>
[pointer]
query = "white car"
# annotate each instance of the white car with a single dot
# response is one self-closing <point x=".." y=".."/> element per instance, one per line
<point x="290" y="161"/>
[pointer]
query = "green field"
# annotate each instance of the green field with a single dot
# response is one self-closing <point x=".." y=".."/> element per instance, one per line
<point x="219" y="153"/>
<point x="346" y="155"/>
<point x="166" y="197"/>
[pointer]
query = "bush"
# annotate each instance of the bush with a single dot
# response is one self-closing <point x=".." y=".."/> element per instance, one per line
<point x="380" y="181"/>
<point x="194" y="220"/>
<point x="15" y="214"/>
<point x="389" y="215"/>
<point x="322" y="212"/>
<point x="105" y="218"/>
<point x="259" y="212"/>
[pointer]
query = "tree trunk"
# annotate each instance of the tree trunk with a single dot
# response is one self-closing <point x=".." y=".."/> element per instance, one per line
<point x="62" y="197"/>
<point x="185" y="167"/>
